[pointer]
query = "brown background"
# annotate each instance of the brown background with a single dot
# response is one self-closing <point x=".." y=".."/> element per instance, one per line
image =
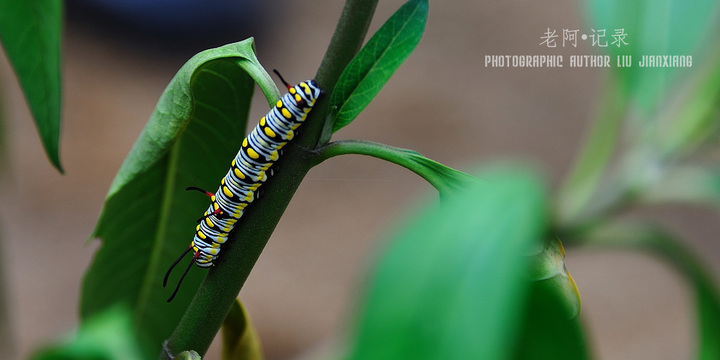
<point x="442" y="102"/>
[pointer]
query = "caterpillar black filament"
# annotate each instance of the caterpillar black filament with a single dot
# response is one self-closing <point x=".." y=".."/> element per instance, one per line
<point x="259" y="150"/>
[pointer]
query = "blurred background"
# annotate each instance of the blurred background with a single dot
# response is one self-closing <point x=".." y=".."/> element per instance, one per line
<point x="442" y="102"/>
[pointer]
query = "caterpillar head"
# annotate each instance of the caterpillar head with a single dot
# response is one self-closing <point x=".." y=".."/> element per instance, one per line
<point x="304" y="93"/>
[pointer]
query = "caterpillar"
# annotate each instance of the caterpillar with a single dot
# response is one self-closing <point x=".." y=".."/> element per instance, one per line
<point x="248" y="170"/>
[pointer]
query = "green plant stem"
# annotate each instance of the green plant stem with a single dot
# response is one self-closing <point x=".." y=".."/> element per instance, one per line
<point x="438" y="175"/>
<point x="216" y="294"/>
<point x="665" y="245"/>
<point x="345" y="43"/>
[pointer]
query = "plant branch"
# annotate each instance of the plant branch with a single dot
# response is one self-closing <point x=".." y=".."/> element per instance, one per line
<point x="660" y="242"/>
<point x="441" y="177"/>
<point x="345" y="43"/>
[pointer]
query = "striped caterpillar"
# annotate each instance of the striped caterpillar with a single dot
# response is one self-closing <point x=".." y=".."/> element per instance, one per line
<point x="259" y="150"/>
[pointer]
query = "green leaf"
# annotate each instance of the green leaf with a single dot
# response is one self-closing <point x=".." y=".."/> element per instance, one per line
<point x="689" y="184"/>
<point x="373" y="66"/>
<point x="548" y="266"/>
<point x="697" y="119"/>
<point x="654" y="27"/>
<point x="148" y="219"/>
<point x="30" y="34"/>
<point x="580" y="188"/>
<point x="551" y="326"/>
<point x="658" y="241"/>
<point x="240" y="341"/>
<point x="443" y="178"/>
<point x="549" y="331"/>
<point x="108" y="335"/>
<point x="453" y="284"/>
<point x="708" y="315"/>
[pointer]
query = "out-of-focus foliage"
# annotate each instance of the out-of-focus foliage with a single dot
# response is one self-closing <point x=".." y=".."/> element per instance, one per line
<point x="30" y="33"/>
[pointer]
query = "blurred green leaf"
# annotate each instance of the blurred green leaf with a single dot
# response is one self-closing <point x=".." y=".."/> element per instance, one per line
<point x="696" y="121"/>
<point x="665" y="27"/>
<point x="443" y="178"/>
<point x="655" y="239"/>
<point x="551" y="326"/>
<point x="548" y="265"/>
<point x="240" y="341"/>
<point x="148" y="218"/>
<point x="30" y="34"/>
<point x="453" y="284"/>
<point x="653" y="27"/>
<point x="708" y="316"/>
<point x="689" y="184"/>
<point x="108" y="335"/>
<point x="549" y="331"/>
<point x="582" y="183"/>
<point x="373" y="66"/>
